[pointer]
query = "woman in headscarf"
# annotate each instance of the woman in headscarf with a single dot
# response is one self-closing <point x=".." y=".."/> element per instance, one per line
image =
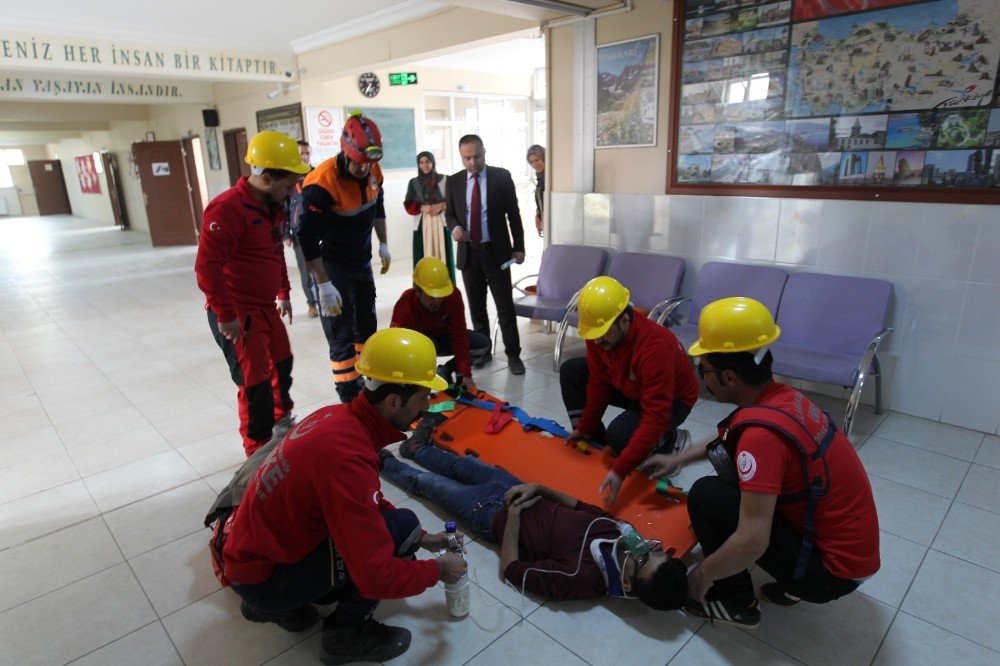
<point x="536" y="158"/>
<point x="425" y="199"/>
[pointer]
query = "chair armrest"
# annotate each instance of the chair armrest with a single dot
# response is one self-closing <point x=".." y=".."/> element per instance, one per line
<point x="863" y="369"/>
<point x="526" y="277"/>
<point x="667" y="308"/>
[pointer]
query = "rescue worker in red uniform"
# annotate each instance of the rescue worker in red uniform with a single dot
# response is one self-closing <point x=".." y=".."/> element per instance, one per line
<point x="314" y="527"/>
<point x="343" y="202"/>
<point x="241" y="269"/>
<point x="632" y="363"/>
<point x="791" y="494"/>
<point x="435" y="308"/>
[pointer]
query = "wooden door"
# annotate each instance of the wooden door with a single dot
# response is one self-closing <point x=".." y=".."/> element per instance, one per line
<point x="165" y="189"/>
<point x="235" y="141"/>
<point x="115" y="188"/>
<point x="50" y="187"/>
<point x="193" y="187"/>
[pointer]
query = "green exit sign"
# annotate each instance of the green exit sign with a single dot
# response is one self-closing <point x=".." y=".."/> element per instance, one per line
<point x="402" y="78"/>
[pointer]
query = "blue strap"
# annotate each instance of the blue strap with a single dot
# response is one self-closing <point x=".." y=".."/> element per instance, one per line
<point x="526" y="420"/>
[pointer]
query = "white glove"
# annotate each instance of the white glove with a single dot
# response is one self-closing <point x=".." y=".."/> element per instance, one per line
<point x="329" y="300"/>
<point x="383" y="253"/>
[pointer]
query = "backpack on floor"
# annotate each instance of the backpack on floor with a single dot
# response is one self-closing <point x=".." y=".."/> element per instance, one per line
<point x="220" y="516"/>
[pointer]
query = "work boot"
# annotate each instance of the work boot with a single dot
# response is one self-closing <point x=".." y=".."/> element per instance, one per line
<point x="299" y="619"/>
<point x="367" y="640"/>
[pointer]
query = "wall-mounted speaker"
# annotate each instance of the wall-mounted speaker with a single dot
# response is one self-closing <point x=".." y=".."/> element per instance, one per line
<point x="211" y="117"/>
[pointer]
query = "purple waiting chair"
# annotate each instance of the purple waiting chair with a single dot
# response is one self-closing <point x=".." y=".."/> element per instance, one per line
<point x="831" y="327"/>
<point x="563" y="272"/>
<point x="653" y="281"/>
<point x="718" y="279"/>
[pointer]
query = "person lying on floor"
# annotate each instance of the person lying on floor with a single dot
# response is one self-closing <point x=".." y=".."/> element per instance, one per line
<point x="541" y="532"/>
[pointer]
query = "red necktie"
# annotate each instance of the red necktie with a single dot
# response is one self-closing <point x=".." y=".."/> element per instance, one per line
<point x="476" y="212"/>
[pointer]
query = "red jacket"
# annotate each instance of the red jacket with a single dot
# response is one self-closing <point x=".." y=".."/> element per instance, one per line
<point x="845" y="527"/>
<point x="449" y="321"/>
<point x="241" y="259"/>
<point x="650" y="367"/>
<point x="322" y="481"/>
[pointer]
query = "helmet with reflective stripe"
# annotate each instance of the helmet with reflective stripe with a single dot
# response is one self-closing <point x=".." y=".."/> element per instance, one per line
<point x="401" y="356"/>
<point x="361" y="141"/>
<point x="431" y="275"/>
<point x="735" y="324"/>
<point x="274" y="150"/>
<point x="601" y="301"/>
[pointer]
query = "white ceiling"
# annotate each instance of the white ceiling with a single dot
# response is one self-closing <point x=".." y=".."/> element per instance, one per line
<point x="515" y="57"/>
<point x="252" y="25"/>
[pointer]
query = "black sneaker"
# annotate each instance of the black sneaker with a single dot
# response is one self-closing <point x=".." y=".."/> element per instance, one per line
<point x="446" y="373"/>
<point x="721" y="611"/>
<point x="482" y="360"/>
<point x="299" y="619"/>
<point x="776" y="594"/>
<point x="365" y="641"/>
<point x="385" y="454"/>
<point x="515" y="365"/>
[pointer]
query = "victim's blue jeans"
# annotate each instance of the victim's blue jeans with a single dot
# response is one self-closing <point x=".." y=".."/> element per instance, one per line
<point x="470" y="490"/>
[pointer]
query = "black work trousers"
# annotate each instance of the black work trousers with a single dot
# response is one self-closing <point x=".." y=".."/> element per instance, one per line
<point x="482" y="272"/>
<point x="714" y="508"/>
<point x="322" y="578"/>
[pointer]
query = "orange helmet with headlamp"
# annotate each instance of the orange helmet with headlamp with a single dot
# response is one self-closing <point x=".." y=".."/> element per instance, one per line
<point x="361" y="141"/>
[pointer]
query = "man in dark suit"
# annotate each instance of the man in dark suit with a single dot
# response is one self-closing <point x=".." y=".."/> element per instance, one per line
<point x="481" y="204"/>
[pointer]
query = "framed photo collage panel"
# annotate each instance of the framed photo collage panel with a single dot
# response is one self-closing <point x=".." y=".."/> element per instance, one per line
<point x="844" y="98"/>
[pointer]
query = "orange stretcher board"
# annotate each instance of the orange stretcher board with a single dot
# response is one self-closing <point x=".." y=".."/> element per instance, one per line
<point x="534" y="457"/>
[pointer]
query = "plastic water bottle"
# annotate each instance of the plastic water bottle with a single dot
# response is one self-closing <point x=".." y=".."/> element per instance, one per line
<point x="456" y="594"/>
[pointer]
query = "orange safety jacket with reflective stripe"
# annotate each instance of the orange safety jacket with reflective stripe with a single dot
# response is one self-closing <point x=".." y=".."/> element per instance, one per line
<point x="339" y="213"/>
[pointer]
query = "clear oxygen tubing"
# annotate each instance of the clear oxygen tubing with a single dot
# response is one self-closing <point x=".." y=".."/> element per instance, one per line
<point x="622" y="526"/>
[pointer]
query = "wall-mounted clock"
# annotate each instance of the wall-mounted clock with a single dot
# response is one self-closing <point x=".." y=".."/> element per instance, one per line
<point x="368" y="84"/>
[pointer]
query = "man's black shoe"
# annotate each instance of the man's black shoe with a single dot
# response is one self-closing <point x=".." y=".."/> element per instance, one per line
<point x="299" y="619"/>
<point x="482" y="360"/>
<point x="516" y="366"/>
<point x="446" y="372"/>
<point x="385" y="454"/>
<point x="364" y="641"/>
<point x="725" y="612"/>
<point x="776" y="594"/>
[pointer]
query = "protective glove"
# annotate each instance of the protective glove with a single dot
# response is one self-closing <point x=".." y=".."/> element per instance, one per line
<point x="330" y="302"/>
<point x="383" y="253"/>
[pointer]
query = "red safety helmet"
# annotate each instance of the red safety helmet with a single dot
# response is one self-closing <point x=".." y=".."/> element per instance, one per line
<point x="361" y="140"/>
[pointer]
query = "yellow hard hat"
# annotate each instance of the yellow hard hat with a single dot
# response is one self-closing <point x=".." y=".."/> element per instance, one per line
<point x="274" y="150"/>
<point x="401" y="356"/>
<point x="601" y="301"/>
<point x="734" y="325"/>
<point x="431" y="275"/>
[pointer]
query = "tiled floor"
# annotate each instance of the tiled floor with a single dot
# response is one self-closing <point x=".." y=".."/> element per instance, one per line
<point x="119" y="426"/>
